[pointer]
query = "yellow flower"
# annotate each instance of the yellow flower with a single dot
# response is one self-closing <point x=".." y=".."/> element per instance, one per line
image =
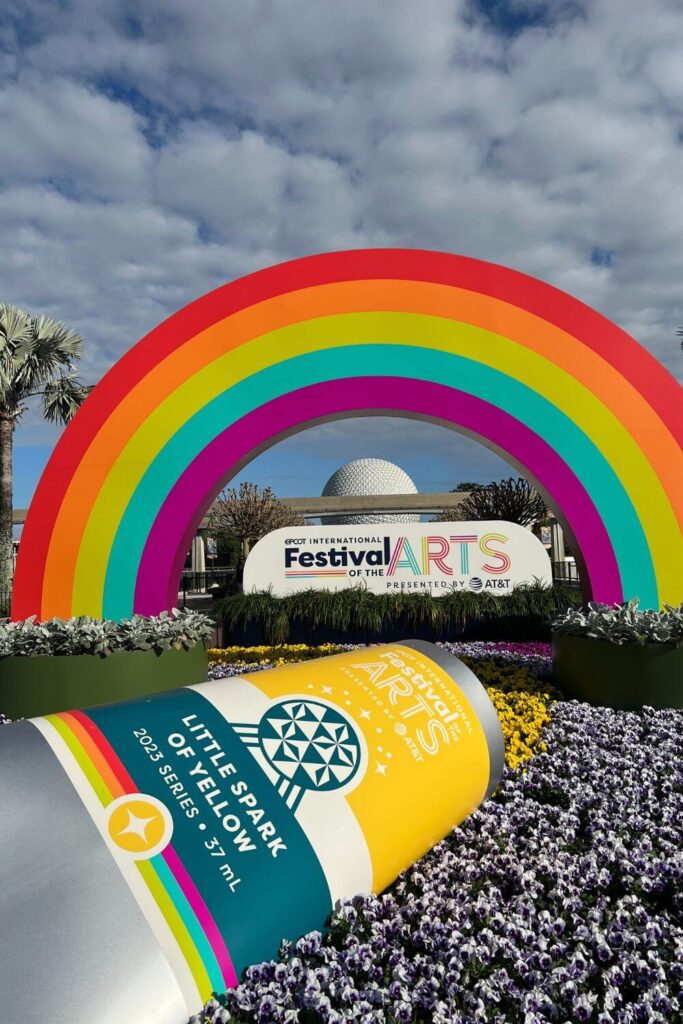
<point x="264" y="654"/>
<point x="521" y="700"/>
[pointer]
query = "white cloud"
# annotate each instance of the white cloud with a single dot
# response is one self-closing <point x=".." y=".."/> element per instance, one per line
<point x="65" y="133"/>
<point x="154" y="150"/>
<point x="238" y="187"/>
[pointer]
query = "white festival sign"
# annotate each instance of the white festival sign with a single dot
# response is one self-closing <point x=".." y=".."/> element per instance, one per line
<point x="385" y="558"/>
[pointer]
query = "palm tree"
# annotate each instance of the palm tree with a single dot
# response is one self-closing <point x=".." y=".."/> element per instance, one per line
<point x="37" y="356"/>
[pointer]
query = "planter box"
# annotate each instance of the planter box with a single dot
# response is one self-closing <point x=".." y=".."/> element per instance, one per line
<point x="625" y="676"/>
<point x="39" y="686"/>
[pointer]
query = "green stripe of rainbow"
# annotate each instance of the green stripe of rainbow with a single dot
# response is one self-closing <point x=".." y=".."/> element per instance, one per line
<point x="564" y="394"/>
<point x="188" y="919"/>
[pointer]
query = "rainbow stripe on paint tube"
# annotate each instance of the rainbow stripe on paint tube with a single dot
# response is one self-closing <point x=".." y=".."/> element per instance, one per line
<point x="164" y="888"/>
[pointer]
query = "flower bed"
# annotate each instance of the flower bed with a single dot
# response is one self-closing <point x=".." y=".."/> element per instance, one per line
<point x="273" y="654"/>
<point x="559" y="900"/>
<point x="536" y="656"/>
<point x="512" y="674"/>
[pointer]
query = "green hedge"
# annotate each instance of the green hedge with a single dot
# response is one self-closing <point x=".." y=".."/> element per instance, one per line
<point x="358" y="616"/>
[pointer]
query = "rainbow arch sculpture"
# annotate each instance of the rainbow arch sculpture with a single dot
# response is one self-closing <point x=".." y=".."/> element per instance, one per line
<point x="587" y="414"/>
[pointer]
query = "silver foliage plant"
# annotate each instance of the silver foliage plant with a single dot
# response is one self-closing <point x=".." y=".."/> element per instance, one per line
<point x="174" y="630"/>
<point x="623" y="624"/>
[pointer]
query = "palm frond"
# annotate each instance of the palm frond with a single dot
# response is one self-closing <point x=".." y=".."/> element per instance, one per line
<point x="15" y="326"/>
<point x="37" y="355"/>
<point x="58" y="337"/>
<point x="62" y="398"/>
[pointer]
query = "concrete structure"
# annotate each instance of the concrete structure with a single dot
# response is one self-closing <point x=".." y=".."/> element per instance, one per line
<point x="385" y="505"/>
<point x="198" y="554"/>
<point x="364" y="504"/>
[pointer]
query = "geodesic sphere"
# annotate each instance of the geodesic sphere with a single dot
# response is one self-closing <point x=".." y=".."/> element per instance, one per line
<point x="369" y="476"/>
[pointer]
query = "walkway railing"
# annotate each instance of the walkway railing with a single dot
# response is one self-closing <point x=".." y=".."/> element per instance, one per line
<point x="199" y="584"/>
<point x="567" y="574"/>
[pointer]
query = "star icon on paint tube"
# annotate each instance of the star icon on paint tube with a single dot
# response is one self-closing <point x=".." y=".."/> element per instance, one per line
<point x="136" y="826"/>
<point x="139" y="825"/>
<point x="326" y="689"/>
<point x="381" y="769"/>
<point x="365" y="714"/>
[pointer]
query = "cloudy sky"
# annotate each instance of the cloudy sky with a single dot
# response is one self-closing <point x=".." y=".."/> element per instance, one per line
<point x="154" y="149"/>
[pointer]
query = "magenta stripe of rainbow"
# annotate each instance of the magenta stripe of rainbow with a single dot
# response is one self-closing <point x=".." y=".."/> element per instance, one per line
<point x="172" y="532"/>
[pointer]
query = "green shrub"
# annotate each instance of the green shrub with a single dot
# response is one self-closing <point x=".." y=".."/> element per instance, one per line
<point x="623" y="624"/>
<point x="168" y="631"/>
<point x="357" y="615"/>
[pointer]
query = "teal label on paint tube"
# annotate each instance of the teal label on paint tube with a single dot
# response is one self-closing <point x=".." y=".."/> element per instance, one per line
<point x="231" y="828"/>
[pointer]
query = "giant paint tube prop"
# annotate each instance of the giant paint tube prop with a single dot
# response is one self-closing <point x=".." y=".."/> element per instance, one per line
<point x="151" y="850"/>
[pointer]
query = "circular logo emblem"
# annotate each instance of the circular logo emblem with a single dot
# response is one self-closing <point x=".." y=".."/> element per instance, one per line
<point x="139" y="825"/>
<point x="475" y="583"/>
<point x="311" y="744"/>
